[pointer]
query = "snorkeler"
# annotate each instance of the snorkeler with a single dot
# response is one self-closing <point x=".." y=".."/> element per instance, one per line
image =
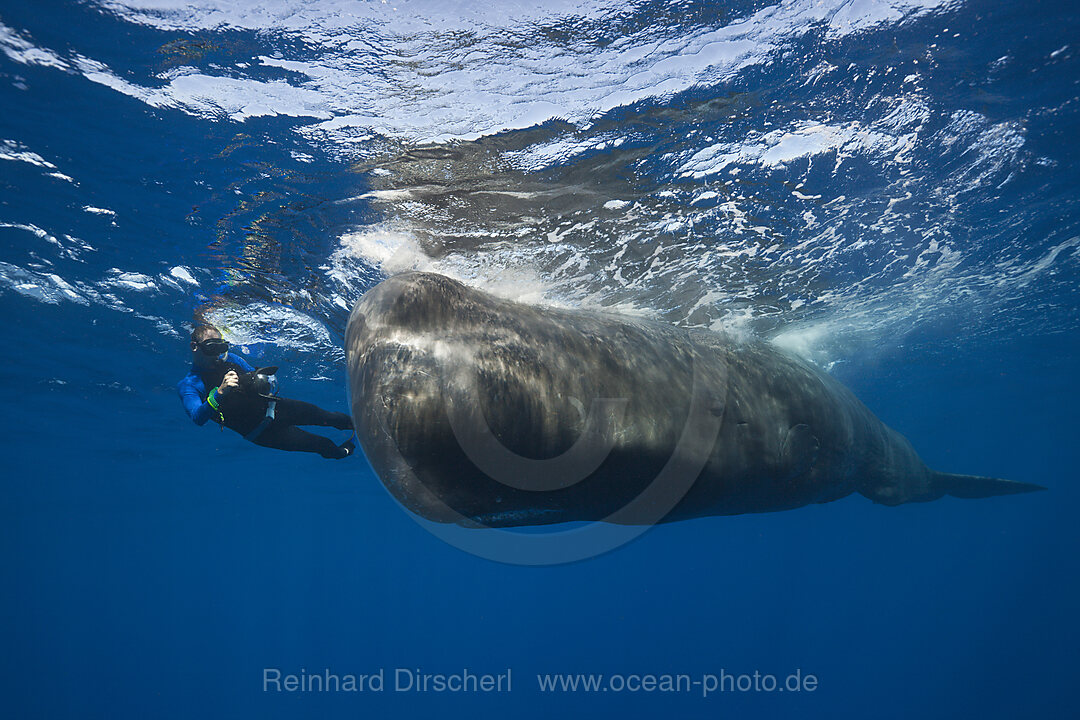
<point x="242" y="399"/>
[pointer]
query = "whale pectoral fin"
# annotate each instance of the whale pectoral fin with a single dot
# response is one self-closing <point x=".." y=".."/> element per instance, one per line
<point x="799" y="451"/>
<point x="974" y="486"/>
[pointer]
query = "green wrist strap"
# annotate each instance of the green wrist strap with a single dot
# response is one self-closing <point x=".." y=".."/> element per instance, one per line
<point x="212" y="400"/>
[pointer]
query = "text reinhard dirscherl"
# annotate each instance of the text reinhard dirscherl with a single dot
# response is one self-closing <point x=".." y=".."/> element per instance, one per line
<point x="414" y="680"/>
<point x="401" y="680"/>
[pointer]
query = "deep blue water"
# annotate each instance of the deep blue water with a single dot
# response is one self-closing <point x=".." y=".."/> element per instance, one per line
<point x="888" y="188"/>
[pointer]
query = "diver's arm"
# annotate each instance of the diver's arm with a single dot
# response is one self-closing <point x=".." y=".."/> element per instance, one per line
<point x="190" y="391"/>
<point x="239" y="360"/>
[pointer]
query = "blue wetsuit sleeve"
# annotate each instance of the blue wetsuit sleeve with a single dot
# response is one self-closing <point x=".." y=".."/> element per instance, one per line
<point x="239" y="360"/>
<point x="191" y="391"/>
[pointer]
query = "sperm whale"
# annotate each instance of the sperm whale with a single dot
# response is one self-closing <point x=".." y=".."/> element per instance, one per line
<point x="481" y="411"/>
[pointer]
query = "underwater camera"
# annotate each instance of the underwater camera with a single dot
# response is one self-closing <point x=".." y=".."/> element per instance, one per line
<point x="261" y="382"/>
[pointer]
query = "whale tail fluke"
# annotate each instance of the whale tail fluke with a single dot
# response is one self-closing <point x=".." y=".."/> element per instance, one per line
<point x="974" y="486"/>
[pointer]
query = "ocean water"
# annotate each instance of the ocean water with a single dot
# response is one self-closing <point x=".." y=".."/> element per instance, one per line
<point x="885" y="187"/>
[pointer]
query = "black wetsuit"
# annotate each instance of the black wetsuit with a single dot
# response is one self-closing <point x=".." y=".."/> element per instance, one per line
<point x="244" y="412"/>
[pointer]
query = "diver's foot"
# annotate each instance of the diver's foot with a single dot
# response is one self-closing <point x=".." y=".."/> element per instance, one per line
<point x="345" y="450"/>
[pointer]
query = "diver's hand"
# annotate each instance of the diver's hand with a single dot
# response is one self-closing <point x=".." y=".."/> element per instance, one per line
<point x="231" y="382"/>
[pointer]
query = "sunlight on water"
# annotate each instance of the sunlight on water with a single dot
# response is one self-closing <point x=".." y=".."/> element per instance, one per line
<point x="726" y="171"/>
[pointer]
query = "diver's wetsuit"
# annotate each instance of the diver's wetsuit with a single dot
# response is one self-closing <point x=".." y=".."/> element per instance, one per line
<point x="243" y="412"/>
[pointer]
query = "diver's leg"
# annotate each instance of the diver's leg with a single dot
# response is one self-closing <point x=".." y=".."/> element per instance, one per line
<point x="293" y="439"/>
<point x="298" y="412"/>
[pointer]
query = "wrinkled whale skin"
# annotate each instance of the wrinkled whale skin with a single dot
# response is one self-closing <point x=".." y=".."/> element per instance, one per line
<point x="429" y="356"/>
